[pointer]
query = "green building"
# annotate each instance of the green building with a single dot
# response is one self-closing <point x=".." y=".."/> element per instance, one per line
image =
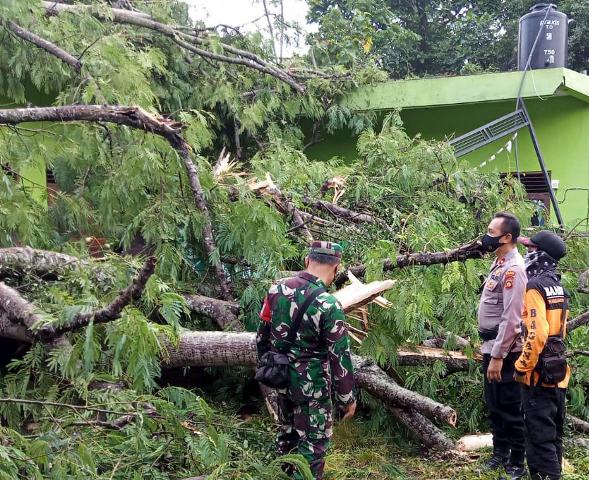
<point x="557" y="100"/>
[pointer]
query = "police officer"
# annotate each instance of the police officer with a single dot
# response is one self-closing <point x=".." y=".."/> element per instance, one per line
<point x="545" y="315"/>
<point x="320" y="360"/>
<point x="499" y="318"/>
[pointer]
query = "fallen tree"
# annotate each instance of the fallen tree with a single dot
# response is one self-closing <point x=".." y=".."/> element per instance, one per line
<point x="205" y="349"/>
<point x="134" y="117"/>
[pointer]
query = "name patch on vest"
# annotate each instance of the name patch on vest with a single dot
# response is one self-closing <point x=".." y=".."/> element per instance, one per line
<point x="555" y="291"/>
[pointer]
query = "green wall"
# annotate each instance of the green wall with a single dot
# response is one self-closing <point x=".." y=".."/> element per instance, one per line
<point x="561" y="123"/>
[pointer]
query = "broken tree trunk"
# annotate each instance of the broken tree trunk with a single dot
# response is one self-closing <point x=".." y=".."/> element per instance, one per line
<point x="417" y="356"/>
<point x="138" y="118"/>
<point x="430" y="436"/>
<point x="375" y="381"/>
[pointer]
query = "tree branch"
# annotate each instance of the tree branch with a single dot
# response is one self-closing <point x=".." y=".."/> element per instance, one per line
<point x="468" y="250"/>
<point x="108" y="313"/>
<point x="578" y="424"/>
<point x="63" y="405"/>
<point x="339" y="212"/>
<point x="578" y="321"/>
<point x="182" y="39"/>
<point x="16" y="261"/>
<point x="16" y="308"/>
<point x="45" y="45"/>
<point x="138" y="118"/>
<point x="224" y="313"/>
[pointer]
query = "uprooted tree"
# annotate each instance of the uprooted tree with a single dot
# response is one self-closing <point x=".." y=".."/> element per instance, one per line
<point x="183" y="149"/>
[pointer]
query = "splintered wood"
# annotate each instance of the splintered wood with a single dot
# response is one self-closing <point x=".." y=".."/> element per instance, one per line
<point x="355" y="296"/>
<point x="358" y="294"/>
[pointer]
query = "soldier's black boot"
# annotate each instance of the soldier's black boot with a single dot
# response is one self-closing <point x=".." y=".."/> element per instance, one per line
<point x="500" y="459"/>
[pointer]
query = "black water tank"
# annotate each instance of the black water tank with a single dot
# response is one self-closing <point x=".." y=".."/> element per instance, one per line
<point x="551" y="49"/>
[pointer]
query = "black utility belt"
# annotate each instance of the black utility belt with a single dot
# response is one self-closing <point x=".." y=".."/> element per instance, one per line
<point x="488" y="334"/>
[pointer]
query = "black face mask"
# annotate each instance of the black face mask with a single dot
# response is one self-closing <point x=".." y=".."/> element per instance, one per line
<point x="490" y="243"/>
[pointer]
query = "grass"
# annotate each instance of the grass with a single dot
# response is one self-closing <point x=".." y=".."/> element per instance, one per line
<point x="359" y="453"/>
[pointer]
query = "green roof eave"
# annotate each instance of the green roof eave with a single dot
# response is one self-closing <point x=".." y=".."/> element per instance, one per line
<point x="488" y="87"/>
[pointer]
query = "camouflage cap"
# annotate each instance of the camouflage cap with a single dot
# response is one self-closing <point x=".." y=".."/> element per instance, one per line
<point x="326" y="248"/>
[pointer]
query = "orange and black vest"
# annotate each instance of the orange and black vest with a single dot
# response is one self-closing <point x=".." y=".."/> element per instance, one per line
<point x="543" y="316"/>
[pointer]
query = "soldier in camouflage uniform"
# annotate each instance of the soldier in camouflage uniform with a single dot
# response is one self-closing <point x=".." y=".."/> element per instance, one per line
<point x="319" y="356"/>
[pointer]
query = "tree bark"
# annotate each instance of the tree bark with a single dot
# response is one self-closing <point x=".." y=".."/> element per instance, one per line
<point x="578" y="321"/>
<point x="430" y="436"/>
<point x="376" y="382"/>
<point x="45" y="45"/>
<point x="134" y="117"/>
<point x="224" y="313"/>
<point x="447" y="338"/>
<point x="14" y="331"/>
<point x="217" y="349"/>
<point x="16" y="261"/>
<point x="584" y="282"/>
<point x="17" y="309"/>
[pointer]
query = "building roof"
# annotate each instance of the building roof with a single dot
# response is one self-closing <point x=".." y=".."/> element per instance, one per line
<point x="488" y="87"/>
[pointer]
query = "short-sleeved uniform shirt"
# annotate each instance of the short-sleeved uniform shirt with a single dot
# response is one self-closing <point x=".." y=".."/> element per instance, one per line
<point x="501" y="305"/>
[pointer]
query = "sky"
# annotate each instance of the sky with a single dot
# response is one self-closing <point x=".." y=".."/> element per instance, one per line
<point x="240" y="12"/>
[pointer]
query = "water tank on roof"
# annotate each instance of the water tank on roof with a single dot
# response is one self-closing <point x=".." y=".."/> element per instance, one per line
<point x="551" y="48"/>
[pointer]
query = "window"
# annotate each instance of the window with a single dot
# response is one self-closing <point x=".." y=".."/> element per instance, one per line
<point x="538" y="192"/>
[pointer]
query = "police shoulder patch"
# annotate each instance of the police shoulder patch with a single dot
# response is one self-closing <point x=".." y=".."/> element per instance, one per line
<point x="509" y="274"/>
<point x="508" y="283"/>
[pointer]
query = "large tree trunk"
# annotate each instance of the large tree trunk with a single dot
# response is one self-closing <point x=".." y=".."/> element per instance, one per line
<point x="205" y="349"/>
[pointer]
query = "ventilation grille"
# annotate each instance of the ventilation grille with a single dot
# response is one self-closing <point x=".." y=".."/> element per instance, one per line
<point x="489" y="133"/>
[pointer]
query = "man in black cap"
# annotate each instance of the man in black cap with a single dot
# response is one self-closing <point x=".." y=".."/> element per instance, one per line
<point x="541" y="368"/>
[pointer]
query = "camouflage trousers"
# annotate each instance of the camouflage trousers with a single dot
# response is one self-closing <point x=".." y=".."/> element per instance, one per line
<point x="305" y="428"/>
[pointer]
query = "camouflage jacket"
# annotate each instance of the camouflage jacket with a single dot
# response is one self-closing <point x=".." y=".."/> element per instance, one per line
<point x="320" y="355"/>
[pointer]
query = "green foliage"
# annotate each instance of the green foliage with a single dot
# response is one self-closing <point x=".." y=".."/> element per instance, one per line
<point x="131" y="188"/>
<point x="424" y="37"/>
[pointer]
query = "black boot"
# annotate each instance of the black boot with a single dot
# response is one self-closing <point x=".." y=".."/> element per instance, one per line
<point x="514" y="472"/>
<point x="498" y="461"/>
<point x="545" y="476"/>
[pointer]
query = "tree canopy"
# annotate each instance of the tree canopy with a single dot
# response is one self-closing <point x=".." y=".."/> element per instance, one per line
<point x="180" y="150"/>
